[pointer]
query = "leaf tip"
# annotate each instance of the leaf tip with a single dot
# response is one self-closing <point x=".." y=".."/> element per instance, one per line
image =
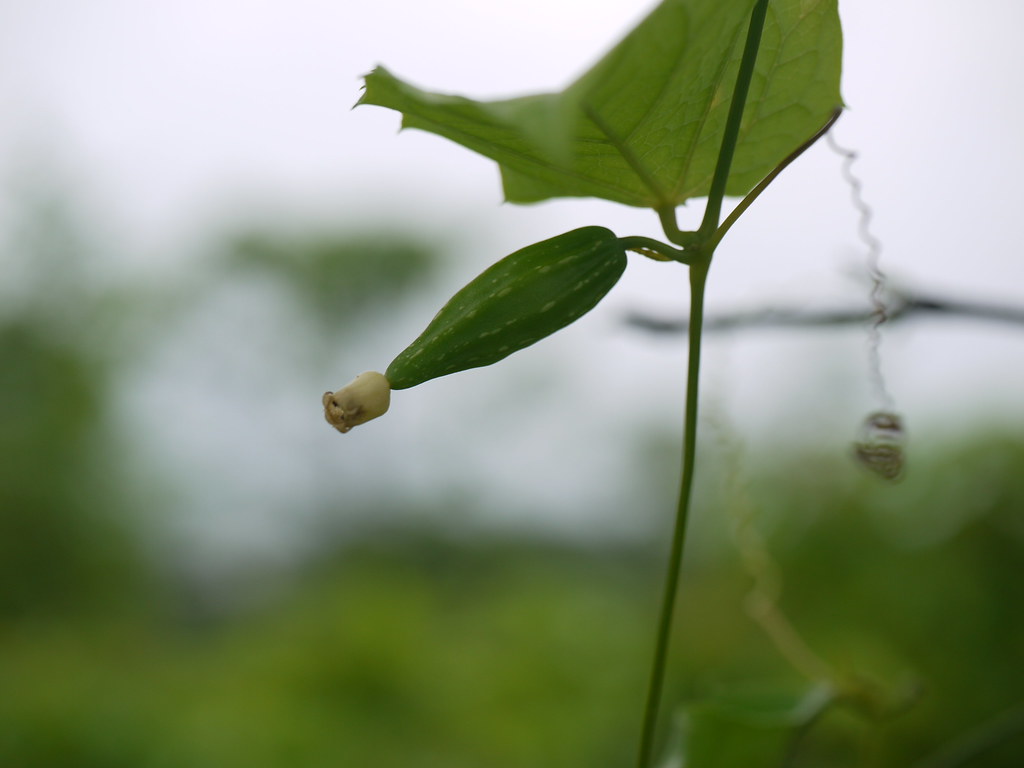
<point x="370" y="80"/>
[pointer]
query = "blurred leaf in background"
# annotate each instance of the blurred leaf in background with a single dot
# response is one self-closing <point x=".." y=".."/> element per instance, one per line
<point x="64" y="544"/>
<point x="337" y="277"/>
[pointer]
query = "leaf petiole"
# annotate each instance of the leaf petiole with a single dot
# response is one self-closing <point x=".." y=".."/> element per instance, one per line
<point x="667" y="215"/>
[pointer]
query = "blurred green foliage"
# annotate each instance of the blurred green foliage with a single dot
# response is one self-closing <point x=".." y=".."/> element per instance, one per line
<point x="410" y="649"/>
<point x="65" y="546"/>
<point x="403" y="647"/>
<point x="60" y="548"/>
<point x="337" y="277"/>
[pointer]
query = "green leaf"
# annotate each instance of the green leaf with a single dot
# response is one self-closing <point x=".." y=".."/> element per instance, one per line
<point x="749" y="730"/>
<point x="643" y="127"/>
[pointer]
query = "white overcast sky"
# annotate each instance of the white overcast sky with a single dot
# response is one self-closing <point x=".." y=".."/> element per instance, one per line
<point x="172" y="114"/>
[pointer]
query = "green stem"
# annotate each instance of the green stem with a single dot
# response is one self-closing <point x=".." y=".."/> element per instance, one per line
<point x="713" y="211"/>
<point x="698" y="279"/>
<point x="642" y="244"/>
<point x="700" y="247"/>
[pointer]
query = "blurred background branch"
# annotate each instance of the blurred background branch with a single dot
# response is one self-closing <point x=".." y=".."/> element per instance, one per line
<point x="902" y="304"/>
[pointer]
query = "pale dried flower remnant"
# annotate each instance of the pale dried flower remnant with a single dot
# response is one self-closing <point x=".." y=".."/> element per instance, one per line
<point x="366" y="397"/>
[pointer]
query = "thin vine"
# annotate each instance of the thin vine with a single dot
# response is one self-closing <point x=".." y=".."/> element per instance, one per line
<point x="881" y="444"/>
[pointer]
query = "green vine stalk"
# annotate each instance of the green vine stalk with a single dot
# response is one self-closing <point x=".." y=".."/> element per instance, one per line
<point x="699" y="268"/>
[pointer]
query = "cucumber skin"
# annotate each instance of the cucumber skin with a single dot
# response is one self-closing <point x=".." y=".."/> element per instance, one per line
<point x="519" y="300"/>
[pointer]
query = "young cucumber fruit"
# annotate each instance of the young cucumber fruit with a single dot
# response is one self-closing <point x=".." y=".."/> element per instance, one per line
<point x="524" y="297"/>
